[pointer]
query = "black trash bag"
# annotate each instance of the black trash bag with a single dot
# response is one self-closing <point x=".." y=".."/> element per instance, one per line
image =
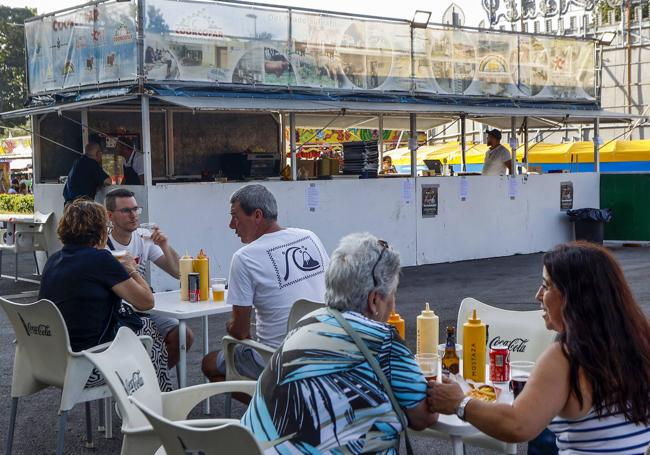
<point x="604" y="215"/>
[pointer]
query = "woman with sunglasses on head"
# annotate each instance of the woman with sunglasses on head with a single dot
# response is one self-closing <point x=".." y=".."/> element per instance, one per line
<point x="87" y="283"/>
<point x="320" y="393"/>
<point x="592" y="386"/>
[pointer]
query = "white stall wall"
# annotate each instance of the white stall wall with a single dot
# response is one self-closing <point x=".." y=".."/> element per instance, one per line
<point x="491" y="224"/>
<point x="196" y="216"/>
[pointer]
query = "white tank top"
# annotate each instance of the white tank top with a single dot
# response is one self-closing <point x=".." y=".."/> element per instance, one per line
<point x="590" y="435"/>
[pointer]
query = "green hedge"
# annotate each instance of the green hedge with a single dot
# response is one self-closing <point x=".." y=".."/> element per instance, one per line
<point x="17" y="203"/>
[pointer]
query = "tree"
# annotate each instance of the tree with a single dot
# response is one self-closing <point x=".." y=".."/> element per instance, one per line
<point x="156" y="22"/>
<point x="13" y="87"/>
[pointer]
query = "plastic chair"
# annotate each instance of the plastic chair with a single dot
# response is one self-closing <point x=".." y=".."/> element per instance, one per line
<point x="528" y="338"/>
<point x="183" y="438"/>
<point x="26" y="237"/>
<point x="128" y="371"/>
<point x="44" y="358"/>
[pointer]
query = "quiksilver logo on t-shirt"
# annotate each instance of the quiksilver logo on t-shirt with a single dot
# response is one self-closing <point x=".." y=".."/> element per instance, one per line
<point x="296" y="261"/>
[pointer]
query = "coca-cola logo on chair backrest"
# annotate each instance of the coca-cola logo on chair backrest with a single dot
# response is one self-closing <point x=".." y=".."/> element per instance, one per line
<point x="41" y="330"/>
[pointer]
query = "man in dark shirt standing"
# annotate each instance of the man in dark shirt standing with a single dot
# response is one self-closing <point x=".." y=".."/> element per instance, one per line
<point x="86" y="175"/>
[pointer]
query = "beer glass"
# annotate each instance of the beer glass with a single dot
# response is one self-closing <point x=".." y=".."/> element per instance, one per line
<point x="218" y="286"/>
<point x="429" y="365"/>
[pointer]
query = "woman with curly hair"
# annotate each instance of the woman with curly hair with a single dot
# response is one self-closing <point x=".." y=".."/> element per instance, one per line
<point x="87" y="283"/>
<point x="592" y="386"/>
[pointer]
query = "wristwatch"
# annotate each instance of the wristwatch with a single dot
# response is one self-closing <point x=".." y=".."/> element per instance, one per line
<point x="460" y="410"/>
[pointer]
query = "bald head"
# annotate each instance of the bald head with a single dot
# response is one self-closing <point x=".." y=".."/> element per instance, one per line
<point x="93" y="150"/>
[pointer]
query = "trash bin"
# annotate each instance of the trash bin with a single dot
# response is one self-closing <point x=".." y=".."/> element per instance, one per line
<point x="589" y="223"/>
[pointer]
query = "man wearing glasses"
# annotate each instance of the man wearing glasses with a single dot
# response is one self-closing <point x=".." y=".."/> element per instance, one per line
<point x="144" y="246"/>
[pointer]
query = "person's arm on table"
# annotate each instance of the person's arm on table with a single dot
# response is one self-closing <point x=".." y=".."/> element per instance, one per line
<point x="239" y="325"/>
<point x="543" y="398"/>
<point x="169" y="261"/>
<point x="135" y="290"/>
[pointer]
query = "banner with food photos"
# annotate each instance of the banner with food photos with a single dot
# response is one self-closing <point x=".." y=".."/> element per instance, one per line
<point x="90" y="45"/>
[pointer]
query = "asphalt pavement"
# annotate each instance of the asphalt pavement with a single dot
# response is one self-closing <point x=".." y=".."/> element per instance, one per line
<point x="509" y="282"/>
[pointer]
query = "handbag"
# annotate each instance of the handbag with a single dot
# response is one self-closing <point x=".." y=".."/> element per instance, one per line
<point x="123" y="315"/>
<point x="372" y="361"/>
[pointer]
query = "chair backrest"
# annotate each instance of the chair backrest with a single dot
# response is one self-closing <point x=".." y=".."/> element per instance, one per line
<point x="299" y="309"/>
<point x="180" y="439"/>
<point x="128" y="371"/>
<point x="523" y="331"/>
<point x="43" y="345"/>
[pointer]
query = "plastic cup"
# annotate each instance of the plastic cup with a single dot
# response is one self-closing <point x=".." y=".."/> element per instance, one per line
<point x="218" y="286"/>
<point x="519" y="372"/>
<point x="429" y="365"/>
<point x="459" y="350"/>
<point x="118" y="254"/>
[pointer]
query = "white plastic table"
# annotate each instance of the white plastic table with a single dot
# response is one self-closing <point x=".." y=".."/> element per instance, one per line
<point x="169" y="304"/>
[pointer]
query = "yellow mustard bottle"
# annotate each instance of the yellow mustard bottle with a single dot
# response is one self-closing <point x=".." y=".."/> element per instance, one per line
<point x="185" y="267"/>
<point x="427" y="331"/>
<point x="396" y="321"/>
<point x="201" y="265"/>
<point x="474" y="338"/>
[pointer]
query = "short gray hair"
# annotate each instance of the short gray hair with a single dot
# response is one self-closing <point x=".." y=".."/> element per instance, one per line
<point x="349" y="278"/>
<point x="253" y="197"/>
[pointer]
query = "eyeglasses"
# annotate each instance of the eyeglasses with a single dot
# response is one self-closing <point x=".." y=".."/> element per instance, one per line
<point x="127" y="210"/>
<point x="384" y="245"/>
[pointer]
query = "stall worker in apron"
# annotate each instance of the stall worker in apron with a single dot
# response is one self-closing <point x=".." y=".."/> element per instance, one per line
<point x="133" y="163"/>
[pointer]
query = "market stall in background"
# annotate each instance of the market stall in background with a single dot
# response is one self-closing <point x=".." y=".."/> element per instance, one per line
<point x="218" y="93"/>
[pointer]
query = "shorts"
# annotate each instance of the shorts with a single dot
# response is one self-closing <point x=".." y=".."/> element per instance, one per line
<point x="164" y="324"/>
<point x="249" y="362"/>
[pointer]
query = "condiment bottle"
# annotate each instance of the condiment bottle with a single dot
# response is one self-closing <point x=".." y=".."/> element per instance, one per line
<point x="450" y="360"/>
<point x="201" y="265"/>
<point x="474" y="339"/>
<point x="184" y="268"/>
<point x="396" y="321"/>
<point x="427" y="331"/>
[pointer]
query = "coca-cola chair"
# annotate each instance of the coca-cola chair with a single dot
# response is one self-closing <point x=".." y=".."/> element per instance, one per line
<point x="524" y="332"/>
<point x="128" y="371"/>
<point x="44" y="358"/>
<point x="25" y="236"/>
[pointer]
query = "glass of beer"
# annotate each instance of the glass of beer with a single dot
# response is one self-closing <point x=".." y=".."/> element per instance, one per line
<point x="429" y="365"/>
<point x="218" y="286"/>
<point x="520" y="371"/>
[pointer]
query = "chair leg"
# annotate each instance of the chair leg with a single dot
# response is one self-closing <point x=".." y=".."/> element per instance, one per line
<point x="89" y="427"/>
<point x="0" y="262"/>
<point x="227" y="407"/>
<point x="12" y="425"/>
<point x="108" y="417"/>
<point x="38" y="272"/>
<point x="16" y="255"/>
<point x="100" y="415"/>
<point x="60" y="437"/>
<point x="178" y="376"/>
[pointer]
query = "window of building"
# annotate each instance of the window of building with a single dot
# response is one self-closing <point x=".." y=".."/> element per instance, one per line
<point x="536" y="26"/>
<point x="573" y="27"/>
<point x="548" y="26"/>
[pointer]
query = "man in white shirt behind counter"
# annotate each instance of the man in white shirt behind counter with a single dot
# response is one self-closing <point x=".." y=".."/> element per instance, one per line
<point x="497" y="158"/>
<point x="276" y="267"/>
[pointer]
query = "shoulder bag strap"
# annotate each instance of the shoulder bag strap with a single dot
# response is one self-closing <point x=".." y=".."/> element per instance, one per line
<point x="372" y="361"/>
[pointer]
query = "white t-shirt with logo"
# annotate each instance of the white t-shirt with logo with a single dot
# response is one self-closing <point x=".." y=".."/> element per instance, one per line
<point x="495" y="161"/>
<point x="141" y="248"/>
<point x="273" y="272"/>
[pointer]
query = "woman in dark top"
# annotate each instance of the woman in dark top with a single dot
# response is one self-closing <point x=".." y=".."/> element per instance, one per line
<point x="87" y="283"/>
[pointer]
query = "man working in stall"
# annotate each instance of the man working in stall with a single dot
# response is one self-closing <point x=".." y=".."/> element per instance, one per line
<point x="497" y="158"/>
<point x="145" y="246"/>
<point x="275" y="268"/>
<point x="86" y="175"/>
<point x="133" y="166"/>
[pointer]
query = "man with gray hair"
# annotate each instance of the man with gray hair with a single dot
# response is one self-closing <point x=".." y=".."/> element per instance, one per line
<point x="275" y="267"/>
<point x="86" y="175"/>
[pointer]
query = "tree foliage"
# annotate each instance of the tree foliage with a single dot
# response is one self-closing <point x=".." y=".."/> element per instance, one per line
<point x="13" y="87"/>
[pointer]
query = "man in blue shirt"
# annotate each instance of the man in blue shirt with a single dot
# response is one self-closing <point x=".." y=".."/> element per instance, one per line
<point x="86" y="175"/>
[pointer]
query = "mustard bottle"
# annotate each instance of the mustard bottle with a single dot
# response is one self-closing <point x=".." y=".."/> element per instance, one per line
<point x="185" y="268"/>
<point x="396" y="321"/>
<point x="474" y="339"/>
<point x="427" y="331"/>
<point x="201" y="265"/>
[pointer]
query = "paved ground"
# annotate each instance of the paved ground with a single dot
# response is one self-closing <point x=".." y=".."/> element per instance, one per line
<point x="506" y="282"/>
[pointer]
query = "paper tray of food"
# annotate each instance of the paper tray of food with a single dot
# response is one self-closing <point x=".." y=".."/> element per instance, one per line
<point x="493" y="393"/>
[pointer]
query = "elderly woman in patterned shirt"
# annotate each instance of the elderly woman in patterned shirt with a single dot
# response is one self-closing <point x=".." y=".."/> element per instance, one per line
<point x="319" y="393"/>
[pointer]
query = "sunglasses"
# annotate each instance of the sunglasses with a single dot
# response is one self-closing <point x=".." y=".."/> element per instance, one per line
<point x="127" y="210"/>
<point x="384" y="245"/>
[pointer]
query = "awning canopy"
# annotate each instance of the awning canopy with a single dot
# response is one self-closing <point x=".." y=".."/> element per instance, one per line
<point x="44" y="109"/>
<point x="22" y="163"/>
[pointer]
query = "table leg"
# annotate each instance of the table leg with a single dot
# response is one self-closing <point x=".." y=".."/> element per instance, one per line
<point x="457" y="443"/>
<point x="182" y="349"/>
<point x="206" y="349"/>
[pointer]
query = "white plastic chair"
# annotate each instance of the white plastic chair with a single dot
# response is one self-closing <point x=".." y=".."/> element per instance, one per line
<point x="44" y="358"/>
<point x="528" y="337"/>
<point x="25" y="238"/>
<point x="183" y="439"/>
<point x="128" y="371"/>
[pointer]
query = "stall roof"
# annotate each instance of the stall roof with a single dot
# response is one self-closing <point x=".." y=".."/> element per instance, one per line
<point x="47" y="108"/>
<point x="306" y="108"/>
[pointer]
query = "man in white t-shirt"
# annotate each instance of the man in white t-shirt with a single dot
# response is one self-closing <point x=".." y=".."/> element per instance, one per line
<point x="497" y="158"/>
<point x="145" y="246"/>
<point x="276" y="267"/>
<point x="133" y="166"/>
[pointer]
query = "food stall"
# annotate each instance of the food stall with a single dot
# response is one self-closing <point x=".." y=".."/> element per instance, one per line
<point x="212" y="94"/>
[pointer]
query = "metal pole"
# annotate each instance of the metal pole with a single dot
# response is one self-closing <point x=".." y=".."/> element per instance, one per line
<point x="513" y="145"/>
<point x="380" y="139"/>
<point x="463" y="145"/>
<point x="596" y="145"/>
<point x="146" y="140"/>
<point x="526" y="142"/>
<point x="292" y="146"/>
<point x="413" y="144"/>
